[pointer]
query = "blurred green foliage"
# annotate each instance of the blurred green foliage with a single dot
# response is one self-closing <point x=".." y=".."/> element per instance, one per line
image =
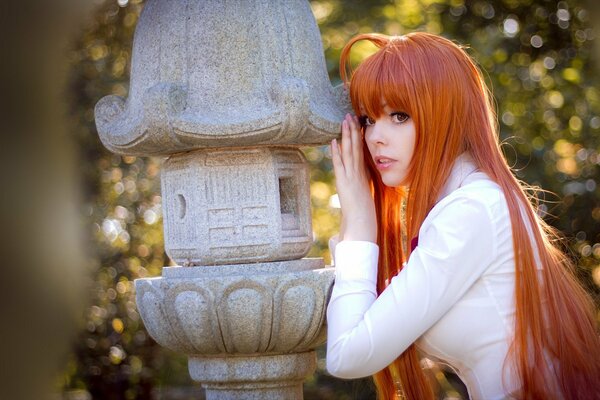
<point x="538" y="57"/>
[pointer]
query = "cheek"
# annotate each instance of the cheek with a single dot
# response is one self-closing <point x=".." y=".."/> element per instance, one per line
<point x="410" y="148"/>
<point x="370" y="148"/>
<point x="409" y="144"/>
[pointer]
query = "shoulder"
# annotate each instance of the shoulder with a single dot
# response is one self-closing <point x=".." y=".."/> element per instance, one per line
<point x="479" y="201"/>
<point x="480" y="190"/>
<point x="462" y="228"/>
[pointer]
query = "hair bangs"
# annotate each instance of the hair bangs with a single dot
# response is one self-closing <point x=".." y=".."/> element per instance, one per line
<point x="382" y="79"/>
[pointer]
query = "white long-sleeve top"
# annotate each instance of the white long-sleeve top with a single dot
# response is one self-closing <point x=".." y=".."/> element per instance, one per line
<point x="454" y="298"/>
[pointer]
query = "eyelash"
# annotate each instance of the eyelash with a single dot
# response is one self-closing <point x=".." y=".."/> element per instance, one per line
<point x="368" y="121"/>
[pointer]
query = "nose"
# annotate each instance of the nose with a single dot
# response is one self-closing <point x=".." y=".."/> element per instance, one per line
<point x="374" y="134"/>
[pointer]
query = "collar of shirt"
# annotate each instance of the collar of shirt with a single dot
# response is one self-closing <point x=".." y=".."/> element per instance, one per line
<point x="463" y="166"/>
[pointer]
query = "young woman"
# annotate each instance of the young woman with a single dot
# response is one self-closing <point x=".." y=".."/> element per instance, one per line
<point x="441" y="250"/>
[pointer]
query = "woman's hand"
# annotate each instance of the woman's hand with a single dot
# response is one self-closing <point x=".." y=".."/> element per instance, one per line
<point x="352" y="183"/>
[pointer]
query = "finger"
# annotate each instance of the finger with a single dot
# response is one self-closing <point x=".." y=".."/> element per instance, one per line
<point x="356" y="142"/>
<point x="346" y="143"/>
<point x="336" y="159"/>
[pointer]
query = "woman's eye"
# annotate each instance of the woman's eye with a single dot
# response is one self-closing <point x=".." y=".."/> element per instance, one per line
<point x="399" y="117"/>
<point x="366" y="121"/>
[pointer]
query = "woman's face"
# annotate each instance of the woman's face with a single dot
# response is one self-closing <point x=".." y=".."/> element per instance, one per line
<point x="391" y="142"/>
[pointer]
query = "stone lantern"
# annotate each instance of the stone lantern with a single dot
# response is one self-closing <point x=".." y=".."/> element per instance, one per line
<point x="228" y="92"/>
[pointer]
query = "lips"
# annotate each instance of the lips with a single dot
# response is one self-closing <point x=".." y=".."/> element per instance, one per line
<point x="382" y="162"/>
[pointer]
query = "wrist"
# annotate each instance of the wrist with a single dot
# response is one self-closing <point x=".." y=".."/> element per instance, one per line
<point x="361" y="231"/>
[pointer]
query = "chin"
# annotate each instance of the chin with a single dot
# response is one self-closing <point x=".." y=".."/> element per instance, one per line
<point x="393" y="181"/>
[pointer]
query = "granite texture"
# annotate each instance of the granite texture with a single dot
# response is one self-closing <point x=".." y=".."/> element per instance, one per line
<point x="223" y="206"/>
<point x="228" y="91"/>
<point x="221" y="74"/>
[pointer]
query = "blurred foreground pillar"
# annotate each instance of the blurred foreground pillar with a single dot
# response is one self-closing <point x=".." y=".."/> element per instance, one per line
<point x="228" y="92"/>
<point x="41" y="244"/>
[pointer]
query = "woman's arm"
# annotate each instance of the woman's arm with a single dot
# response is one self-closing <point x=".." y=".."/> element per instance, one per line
<point x="366" y="333"/>
<point x="352" y="184"/>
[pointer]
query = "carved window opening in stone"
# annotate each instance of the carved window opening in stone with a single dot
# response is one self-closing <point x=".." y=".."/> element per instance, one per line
<point x="288" y="202"/>
<point x="182" y="206"/>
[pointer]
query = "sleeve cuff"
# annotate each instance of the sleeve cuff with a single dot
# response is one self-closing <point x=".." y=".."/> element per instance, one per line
<point x="356" y="260"/>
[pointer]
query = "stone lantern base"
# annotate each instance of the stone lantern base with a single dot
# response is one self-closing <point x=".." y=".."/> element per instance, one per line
<point x="249" y="330"/>
<point x="270" y="377"/>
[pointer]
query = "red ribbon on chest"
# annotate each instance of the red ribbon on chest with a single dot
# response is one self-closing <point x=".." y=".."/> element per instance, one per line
<point x="414" y="243"/>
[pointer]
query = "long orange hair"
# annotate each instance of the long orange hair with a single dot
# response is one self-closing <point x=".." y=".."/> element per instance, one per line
<point x="437" y="83"/>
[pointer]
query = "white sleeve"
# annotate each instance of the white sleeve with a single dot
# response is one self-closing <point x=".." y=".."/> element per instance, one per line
<point x="365" y="333"/>
<point x="333" y="241"/>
